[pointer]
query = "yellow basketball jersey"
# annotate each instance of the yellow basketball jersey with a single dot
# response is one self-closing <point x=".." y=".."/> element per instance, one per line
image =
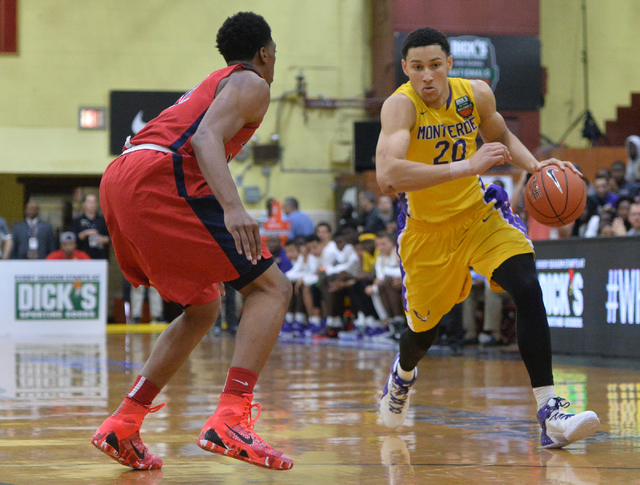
<point x="445" y="135"/>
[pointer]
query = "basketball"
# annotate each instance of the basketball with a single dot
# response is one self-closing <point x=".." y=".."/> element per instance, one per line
<point x="555" y="196"/>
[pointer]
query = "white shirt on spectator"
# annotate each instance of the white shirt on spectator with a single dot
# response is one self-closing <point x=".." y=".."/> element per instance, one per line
<point x="346" y="260"/>
<point x="387" y="266"/>
<point x="304" y="269"/>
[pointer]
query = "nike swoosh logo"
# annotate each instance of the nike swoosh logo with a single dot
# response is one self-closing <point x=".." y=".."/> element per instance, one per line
<point x="248" y="441"/>
<point x="552" y="175"/>
<point x="140" y="455"/>
<point x="241" y="382"/>
<point x="422" y="112"/>
<point x="485" y="220"/>
<point x="137" y="124"/>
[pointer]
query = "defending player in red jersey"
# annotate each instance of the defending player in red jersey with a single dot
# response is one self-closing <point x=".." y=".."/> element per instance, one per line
<point x="177" y="223"/>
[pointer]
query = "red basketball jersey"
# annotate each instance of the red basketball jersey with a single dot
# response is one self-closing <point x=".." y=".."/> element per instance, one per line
<point x="174" y="127"/>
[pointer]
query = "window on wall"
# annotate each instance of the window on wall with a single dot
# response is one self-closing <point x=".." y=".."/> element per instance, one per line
<point x="8" y="26"/>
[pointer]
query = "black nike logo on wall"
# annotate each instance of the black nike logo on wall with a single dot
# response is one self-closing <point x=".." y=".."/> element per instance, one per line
<point x="140" y="455"/>
<point x="248" y="441"/>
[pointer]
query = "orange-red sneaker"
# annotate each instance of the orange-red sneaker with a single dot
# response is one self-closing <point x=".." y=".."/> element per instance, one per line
<point x="229" y="432"/>
<point x="119" y="436"/>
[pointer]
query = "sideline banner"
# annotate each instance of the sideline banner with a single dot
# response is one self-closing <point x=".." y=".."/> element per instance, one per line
<point x="53" y="297"/>
<point x="591" y="290"/>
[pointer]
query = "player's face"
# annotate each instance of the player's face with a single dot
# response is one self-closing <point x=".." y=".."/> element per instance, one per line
<point x="427" y="68"/>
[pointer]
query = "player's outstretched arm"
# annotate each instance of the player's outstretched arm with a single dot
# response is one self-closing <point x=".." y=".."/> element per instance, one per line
<point x="494" y="129"/>
<point x="243" y="99"/>
<point x="393" y="171"/>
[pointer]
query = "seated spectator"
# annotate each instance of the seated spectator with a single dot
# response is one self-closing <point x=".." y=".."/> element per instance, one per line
<point x="632" y="144"/>
<point x="366" y="322"/>
<point x="387" y="209"/>
<point x="304" y="267"/>
<point x="602" y="198"/>
<point x="279" y="253"/>
<point x="346" y="218"/>
<point x="386" y="290"/>
<point x="344" y="266"/>
<point x="323" y="231"/>
<point x="623" y="187"/>
<point x="301" y="223"/>
<point x="68" y="248"/>
<point x="580" y="225"/>
<point x="370" y="219"/>
<point x="634" y="219"/>
<point x="622" y="210"/>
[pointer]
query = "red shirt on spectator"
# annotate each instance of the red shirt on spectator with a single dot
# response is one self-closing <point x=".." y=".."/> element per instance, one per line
<point x="77" y="254"/>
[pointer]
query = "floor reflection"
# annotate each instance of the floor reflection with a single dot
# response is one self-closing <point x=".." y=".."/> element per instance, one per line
<point x="54" y="371"/>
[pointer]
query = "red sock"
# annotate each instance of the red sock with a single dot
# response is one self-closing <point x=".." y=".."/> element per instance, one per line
<point x="240" y="381"/>
<point x="143" y="391"/>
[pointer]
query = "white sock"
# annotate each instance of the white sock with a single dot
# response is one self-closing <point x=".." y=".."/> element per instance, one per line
<point x="300" y="318"/>
<point x="406" y="376"/>
<point x="288" y="317"/>
<point x="315" y="321"/>
<point x="543" y="394"/>
<point x="334" y="322"/>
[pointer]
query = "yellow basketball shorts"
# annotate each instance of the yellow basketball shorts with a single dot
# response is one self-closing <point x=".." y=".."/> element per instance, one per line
<point x="435" y="259"/>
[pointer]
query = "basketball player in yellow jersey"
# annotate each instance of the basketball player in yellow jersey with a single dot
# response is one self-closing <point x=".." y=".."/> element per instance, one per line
<point x="449" y="222"/>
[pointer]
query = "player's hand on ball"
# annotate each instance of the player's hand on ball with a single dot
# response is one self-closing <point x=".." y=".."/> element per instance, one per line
<point x="560" y="163"/>
<point x="487" y="156"/>
<point x="245" y="232"/>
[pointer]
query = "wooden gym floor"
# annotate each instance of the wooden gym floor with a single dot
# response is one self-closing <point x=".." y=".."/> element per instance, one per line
<point x="471" y="418"/>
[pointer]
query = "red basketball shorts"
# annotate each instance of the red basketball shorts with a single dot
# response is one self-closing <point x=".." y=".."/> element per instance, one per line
<point x="168" y="229"/>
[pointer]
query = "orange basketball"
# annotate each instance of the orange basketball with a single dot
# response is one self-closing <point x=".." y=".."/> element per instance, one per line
<point x="555" y="196"/>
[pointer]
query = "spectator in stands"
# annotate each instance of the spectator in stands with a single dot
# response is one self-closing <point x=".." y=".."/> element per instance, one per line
<point x="303" y="316"/>
<point x="634" y="219"/>
<point x="602" y="198"/>
<point x="301" y="223"/>
<point x="622" y="211"/>
<point x="6" y="240"/>
<point x="580" y="225"/>
<point x="279" y="253"/>
<point x="387" y="209"/>
<point x="623" y="186"/>
<point x="344" y="266"/>
<point x="370" y="219"/>
<point x="387" y="285"/>
<point x="68" y="248"/>
<point x="346" y="217"/>
<point x="323" y="231"/>
<point x="632" y="144"/>
<point x="32" y="238"/>
<point x="366" y="322"/>
<point x="91" y="230"/>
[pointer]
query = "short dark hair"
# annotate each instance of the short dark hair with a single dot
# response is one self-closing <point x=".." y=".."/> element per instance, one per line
<point x="424" y="37"/>
<point x="242" y="36"/>
<point x="292" y="201"/>
<point x="312" y="238"/>
<point x="620" y="164"/>
<point x="325" y="224"/>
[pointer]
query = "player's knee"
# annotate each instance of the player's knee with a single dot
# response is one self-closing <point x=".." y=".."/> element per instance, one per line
<point x="281" y="288"/>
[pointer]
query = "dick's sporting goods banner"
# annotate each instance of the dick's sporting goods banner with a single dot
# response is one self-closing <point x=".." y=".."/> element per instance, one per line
<point x="591" y="290"/>
<point x="53" y="297"/>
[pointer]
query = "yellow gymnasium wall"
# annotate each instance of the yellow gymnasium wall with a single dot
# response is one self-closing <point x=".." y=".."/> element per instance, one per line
<point x="614" y="65"/>
<point x="72" y="53"/>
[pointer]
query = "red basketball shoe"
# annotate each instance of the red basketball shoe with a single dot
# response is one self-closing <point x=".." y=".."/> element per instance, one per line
<point x="230" y="432"/>
<point x="119" y="436"/>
